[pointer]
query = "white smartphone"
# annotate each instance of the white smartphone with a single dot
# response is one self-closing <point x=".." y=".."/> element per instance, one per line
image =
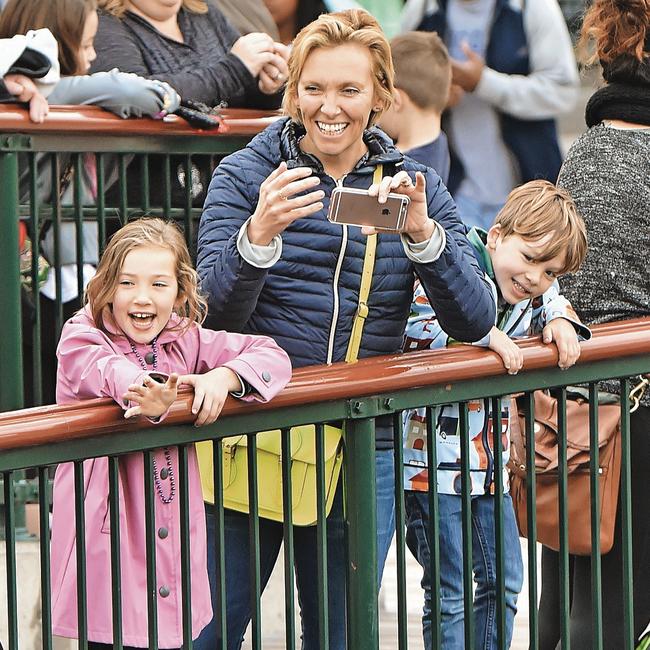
<point x="357" y="208"/>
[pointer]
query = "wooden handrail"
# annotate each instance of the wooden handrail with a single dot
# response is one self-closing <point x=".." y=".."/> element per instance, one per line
<point x="45" y="424"/>
<point x="14" y="118"/>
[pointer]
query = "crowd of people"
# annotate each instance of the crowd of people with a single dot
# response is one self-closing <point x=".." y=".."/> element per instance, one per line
<point x="502" y="239"/>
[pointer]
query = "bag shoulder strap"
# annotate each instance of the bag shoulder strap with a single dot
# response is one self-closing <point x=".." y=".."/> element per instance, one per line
<point x="352" y="354"/>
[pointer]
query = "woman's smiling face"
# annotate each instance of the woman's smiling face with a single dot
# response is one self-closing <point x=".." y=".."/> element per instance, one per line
<point x="336" y="95"/>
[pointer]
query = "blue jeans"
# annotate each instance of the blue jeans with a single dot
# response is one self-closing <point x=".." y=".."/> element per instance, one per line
<point x="451" y="566"/>
<point x="474" y="213"/>
<point x="237" y="549"/>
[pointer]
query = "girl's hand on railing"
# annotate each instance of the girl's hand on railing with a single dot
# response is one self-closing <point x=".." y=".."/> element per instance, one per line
<point x="561" y="332"/>
<point x="210" y="392"/>
<point x="152" y="398"/>
<point x="25" y="90"/>
<point x="507" y="349"/>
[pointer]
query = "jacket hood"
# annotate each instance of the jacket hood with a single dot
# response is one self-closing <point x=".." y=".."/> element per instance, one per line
<point x="288" y="133"/>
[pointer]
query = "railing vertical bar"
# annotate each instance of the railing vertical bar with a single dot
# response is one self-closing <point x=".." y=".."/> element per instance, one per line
<point x="150" y="541"/>
<point x="321" y="540"/>
<point x="10" y="557"/>
<point x="44" y="543"/>
<point x="144" y="183"/>
<point x="122" y="188"/>
<point x="80" y="539"/>
<point x="116" y="571"/>
<point x="466" y="497"/>
<point x="187" y="215"/>
<point x="78" y="219"/>
<point x="287" y="530"/>
<point x="626" y="517"/>
<point x="167" y="186"/>
<point x="594" y="480"/>
<point x="434" y="526"/>
<point x="400" y="538"/>
<point x="186" y="550"/>
<point x="56" y="224"/>
<point x="565" y="604"/>
<point x="497" y="447"/>
<point x="35" y="227"/>
<point x="254" y="542"/>
<point x="220" y="542"/>
<point x="531" y="523"/>
<point x="360" y="490"/>
<point x="101" y="203"/>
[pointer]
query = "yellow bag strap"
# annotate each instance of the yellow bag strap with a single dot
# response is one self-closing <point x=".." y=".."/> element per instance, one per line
<point x="352" y="353"/>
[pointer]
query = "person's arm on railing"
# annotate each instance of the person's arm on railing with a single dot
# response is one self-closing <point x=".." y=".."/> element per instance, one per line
<point x="126" y="95"/>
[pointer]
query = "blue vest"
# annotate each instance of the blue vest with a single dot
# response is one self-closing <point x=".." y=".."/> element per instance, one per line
<point x="533" y="143"/>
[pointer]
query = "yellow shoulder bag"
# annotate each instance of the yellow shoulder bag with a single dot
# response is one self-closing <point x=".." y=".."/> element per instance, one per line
<point x="303" y="444"/>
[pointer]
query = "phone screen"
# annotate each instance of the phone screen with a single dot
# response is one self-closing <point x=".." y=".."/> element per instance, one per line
<point x="357" y="208"/>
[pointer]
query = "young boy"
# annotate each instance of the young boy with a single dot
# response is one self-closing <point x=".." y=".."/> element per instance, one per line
<point x="538" y="236"/>
<point x="422" y="81"/>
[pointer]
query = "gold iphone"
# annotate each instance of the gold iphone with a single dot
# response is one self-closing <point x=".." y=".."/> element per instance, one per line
<point x="357" y="208"/>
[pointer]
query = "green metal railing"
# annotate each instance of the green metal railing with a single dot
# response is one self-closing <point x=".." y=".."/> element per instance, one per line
<point x="33" y="441"/>
<point x="39" y="438"/>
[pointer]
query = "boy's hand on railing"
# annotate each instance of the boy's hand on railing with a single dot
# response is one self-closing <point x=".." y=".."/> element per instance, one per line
<point x="210" y="392"/>
<point x="152" y="398"/>
<point x="507" y="349"/>
<point x="561" y="332"/>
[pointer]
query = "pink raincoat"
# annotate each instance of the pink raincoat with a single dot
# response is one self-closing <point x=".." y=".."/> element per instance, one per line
<point x="95" y="364"/>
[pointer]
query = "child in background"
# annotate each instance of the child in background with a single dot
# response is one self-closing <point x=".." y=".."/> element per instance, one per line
<point x="538" y="235"/>
<point x="74" y="25"/>
<point x="137" y="339"/>
<point x="422" y="81"/>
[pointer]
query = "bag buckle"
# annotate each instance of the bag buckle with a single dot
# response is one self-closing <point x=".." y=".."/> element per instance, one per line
<point x="637" y="393"/>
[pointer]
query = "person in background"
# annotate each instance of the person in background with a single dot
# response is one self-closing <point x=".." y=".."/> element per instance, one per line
<point x="607" y="172"/>
<point x="136" y="341"/>
<point x="290" y="16"/>
<point x="422" y="80"/>
<point x="538" y="236"/>
<point x="249" y="16"/>
<point x="191" y="45"/>
<point x="513" y="73"/>
<point x="272" y="263"/>
<point x="72" y="24"/>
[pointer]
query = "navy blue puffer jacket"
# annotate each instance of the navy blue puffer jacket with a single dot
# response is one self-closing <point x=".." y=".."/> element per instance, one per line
<point x="307" y="300"/>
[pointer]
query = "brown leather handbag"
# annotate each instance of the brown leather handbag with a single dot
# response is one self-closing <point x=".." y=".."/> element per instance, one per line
<point x="546" y="472"/>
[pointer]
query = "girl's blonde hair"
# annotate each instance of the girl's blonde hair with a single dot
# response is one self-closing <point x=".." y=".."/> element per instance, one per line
<point x="537" y="208"/>
<point x="353" y="26"/>
<point x="145" y="232"/>
<point x="118" y="7"/>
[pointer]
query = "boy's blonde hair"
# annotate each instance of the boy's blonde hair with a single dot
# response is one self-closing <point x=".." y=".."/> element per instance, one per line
<point x="352" y="26"/>
<point x="422" y="69"/>
<point x="537" y="208"/>
<point x="145" y="232"/>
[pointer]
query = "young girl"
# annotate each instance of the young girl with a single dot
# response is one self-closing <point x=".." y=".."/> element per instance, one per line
<point x="141" y="320"/>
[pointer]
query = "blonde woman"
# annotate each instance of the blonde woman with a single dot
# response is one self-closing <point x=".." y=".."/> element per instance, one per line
<point x="272" y="263"/>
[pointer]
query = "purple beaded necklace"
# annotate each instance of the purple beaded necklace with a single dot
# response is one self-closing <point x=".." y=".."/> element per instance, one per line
<point x="152" y="358"/>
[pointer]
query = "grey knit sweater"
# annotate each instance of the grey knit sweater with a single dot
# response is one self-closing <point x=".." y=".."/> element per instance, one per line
<point x="607" y="172"/>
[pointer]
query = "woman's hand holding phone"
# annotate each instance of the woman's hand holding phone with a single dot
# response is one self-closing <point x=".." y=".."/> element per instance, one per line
<point x="418" y="227"/>
<point x="278" y="207"/>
